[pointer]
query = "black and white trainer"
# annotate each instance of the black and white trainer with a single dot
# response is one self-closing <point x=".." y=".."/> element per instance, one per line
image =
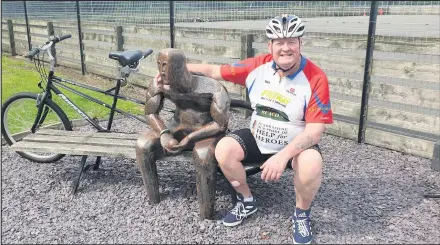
<point x="241" y="210"/>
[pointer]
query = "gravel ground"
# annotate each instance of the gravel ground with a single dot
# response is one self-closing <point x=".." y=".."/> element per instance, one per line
<point x="368" y="195"/>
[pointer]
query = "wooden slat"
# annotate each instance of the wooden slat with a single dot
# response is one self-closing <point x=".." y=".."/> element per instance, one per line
<point x="88" y="134"/>
<point x="410" y="145"/>
<point x="81" y="140"/>
<point x="76" y="149"/>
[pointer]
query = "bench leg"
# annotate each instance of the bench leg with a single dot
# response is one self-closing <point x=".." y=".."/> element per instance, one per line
<point x="80" y="172"/>
<point x="206" y="172"/>
<point x="147" y="150"/>
<point x="98" y="161"/>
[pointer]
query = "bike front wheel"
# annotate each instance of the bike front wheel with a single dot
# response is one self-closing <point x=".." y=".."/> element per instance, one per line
<point x="18" y="115"/>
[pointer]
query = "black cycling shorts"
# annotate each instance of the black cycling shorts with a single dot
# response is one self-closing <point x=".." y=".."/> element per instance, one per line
<point x="251" y="152"/>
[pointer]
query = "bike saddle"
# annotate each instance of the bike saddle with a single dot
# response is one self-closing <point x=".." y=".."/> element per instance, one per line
<point x="125" y="58"/>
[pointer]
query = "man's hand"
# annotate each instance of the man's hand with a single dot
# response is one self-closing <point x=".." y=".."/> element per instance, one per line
<point x="273" y="168"/>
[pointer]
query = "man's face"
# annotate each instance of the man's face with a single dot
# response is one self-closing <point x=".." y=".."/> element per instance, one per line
<point x="285" y="51"/>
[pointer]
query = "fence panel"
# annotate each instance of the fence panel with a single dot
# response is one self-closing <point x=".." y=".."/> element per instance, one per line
<point x="137" y="22"/>
<point x="404" y="104"/>
<point x="14" y="11"/>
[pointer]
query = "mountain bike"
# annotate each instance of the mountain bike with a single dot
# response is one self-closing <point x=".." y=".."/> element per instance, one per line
<point x="27" y="112"/>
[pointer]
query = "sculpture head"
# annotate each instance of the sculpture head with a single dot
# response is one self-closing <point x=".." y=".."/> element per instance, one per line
<point x="172" y="68"/>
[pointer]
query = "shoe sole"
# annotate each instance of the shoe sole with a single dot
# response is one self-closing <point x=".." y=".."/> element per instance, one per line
<point x="301" y="243"/>
<point x="239" y="222"/>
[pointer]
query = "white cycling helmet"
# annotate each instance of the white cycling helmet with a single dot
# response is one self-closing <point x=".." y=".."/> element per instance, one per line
<point x="285" y="26"/>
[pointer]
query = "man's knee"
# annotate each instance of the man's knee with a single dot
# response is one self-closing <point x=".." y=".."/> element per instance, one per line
<point x="308" y="162"/>
<point x="228" y="150"/>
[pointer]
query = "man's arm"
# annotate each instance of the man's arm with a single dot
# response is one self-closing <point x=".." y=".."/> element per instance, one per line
<point x="212" y="71"/>
<point x="304" y="140"/>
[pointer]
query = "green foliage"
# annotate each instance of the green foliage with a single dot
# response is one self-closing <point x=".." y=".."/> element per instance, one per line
<point x="21" y="76"/>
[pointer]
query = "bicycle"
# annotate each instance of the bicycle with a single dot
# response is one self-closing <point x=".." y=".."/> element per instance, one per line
<point x="45" y="110"/>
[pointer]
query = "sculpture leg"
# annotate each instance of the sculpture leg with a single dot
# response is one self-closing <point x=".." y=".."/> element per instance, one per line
<point x="206" y="170"/>
<point x="148" y="150"/>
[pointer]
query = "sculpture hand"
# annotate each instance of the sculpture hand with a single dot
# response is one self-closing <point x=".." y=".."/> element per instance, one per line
<point x="167" y="140"/>
<point x="179" y="147"/>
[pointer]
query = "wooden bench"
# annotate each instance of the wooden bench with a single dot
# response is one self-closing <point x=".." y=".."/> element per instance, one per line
<point x="81" y="143"/>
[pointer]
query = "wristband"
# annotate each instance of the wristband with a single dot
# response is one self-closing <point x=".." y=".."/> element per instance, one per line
<point x="164" y="131"/>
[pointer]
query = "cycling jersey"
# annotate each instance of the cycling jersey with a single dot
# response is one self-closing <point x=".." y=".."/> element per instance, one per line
<point x="282" y="105"/>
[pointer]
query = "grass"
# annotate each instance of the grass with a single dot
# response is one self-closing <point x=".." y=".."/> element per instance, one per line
<point x="21" y="76"/>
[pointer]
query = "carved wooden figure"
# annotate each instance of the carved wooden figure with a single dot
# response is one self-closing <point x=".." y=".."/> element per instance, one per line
<point x="200" y="120"/>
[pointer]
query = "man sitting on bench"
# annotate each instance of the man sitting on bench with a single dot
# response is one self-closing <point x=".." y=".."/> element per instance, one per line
<point x="200" y="120"/>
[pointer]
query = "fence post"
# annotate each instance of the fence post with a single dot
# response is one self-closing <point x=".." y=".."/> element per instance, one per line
<point x="80" y="38"/>
<point x="27" y="26"/>
<point x="172" y="23"/>
<point x="367" y="72"/>
<point x="246" y="52"/>
<point x="11" y="38"/>
<point x="435" y="165"/>
<point x="51" y="32"/>
<point x="119" y="39"/>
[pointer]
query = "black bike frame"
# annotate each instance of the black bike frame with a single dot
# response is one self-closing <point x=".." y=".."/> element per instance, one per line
<point x="52" y="80"/>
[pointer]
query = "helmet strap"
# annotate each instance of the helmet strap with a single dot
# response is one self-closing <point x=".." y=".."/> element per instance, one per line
<point x="277" y="67"/>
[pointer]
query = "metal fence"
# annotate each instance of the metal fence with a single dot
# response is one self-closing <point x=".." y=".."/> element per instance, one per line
<point x="401" y="88"/>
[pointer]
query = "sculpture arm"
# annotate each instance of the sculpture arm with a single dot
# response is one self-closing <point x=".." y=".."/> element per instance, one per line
<point x="153" y="105"/>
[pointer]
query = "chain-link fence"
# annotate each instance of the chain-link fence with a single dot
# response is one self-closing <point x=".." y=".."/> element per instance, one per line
<point x="404" y="101"/>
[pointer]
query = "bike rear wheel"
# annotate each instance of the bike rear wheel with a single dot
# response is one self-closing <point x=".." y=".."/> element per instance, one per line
<point x="18" y="115"/>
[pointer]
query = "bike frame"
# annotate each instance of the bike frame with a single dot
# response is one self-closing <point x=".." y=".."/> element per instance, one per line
<point x="54" y="81"/>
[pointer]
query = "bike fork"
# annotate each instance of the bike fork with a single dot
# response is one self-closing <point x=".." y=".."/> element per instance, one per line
<point x="39" y="119"/>
<point x="41" y="116"/>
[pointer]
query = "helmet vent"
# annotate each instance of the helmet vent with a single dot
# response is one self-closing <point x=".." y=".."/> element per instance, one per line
<point x="292" y="27"/>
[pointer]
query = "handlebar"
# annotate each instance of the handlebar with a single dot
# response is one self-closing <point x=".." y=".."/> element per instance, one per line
<point x="32" y="53"/>
<point x="59" y="39"/>
<point x="146" y="53"/>
<point x="47" y="46"/>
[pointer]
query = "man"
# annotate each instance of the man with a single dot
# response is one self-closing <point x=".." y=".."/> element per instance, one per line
<point x="290" y="97"/>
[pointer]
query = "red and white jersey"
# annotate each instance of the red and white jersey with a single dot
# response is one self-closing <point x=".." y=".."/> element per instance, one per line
<point x="282" y="105"/>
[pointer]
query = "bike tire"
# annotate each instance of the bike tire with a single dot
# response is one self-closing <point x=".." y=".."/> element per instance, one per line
<point x="8" y="135"/>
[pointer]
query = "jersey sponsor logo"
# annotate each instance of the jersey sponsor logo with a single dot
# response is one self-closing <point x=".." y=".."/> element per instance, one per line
<point x="275" y="97"/>
<point x="239" y="65"/>
<point x="270" y="134"/>
<point x="323" y="107"/>
<point x="291" y="91"/>
<point x="266" y="81"/>
<point x="267" y="112"/>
